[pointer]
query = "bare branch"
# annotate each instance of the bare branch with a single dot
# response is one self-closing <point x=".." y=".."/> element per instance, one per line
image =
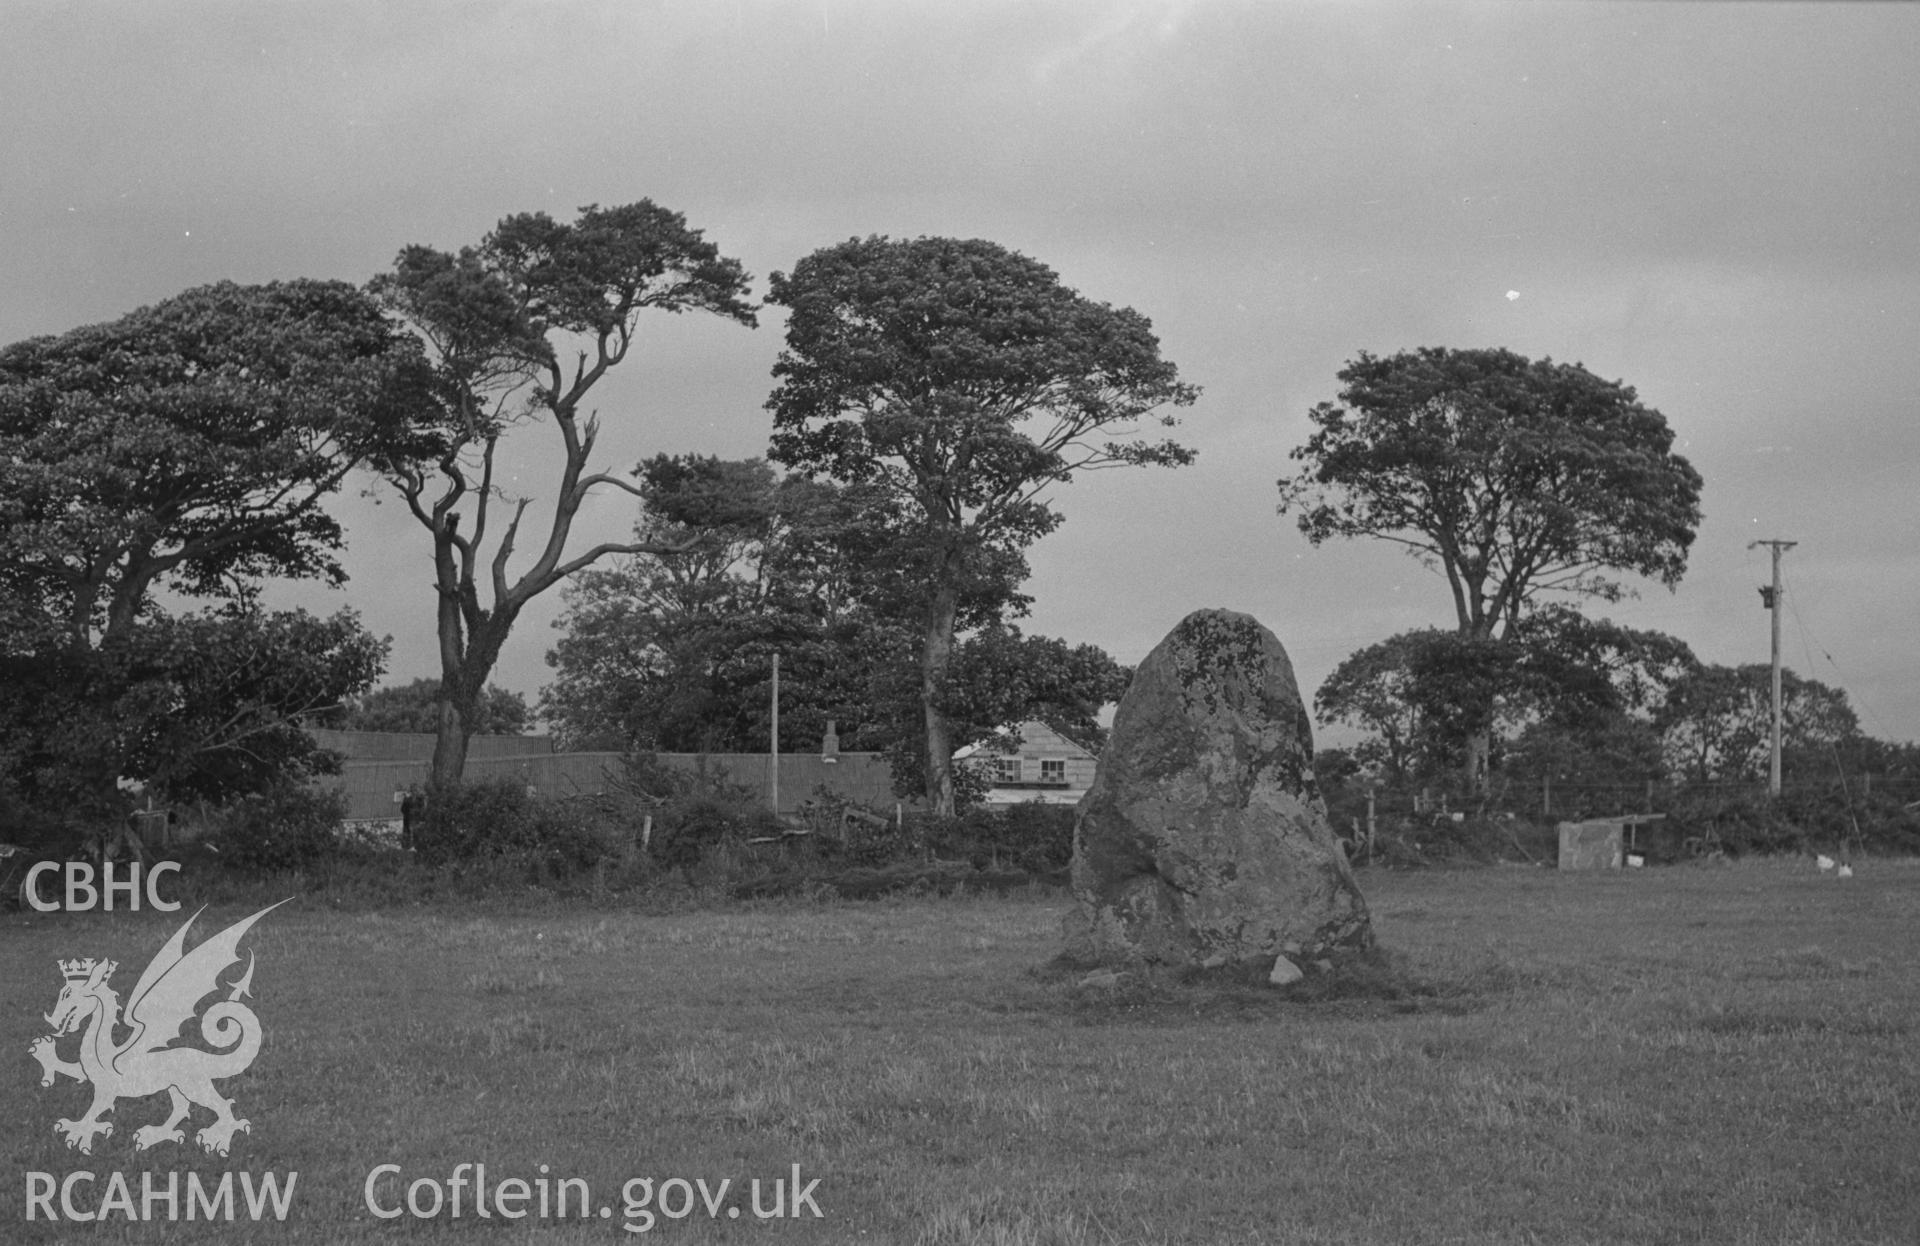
<point x="638" y="547"/>
<point x="506" y="551"/>
<point x="607" y="478"/>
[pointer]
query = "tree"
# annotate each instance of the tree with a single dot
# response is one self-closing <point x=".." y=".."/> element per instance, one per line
<point x="215" y="701"/>
<point x="1573" y="670"/>
<point x="186" y="446"/>
<point x="1589" y="689"/>
<point x="200" y="706"/>
<point x="674" y="651"/>
<point x="1514" y="478"/>
<point x="415" y="707"/>
<point x="1000" y="677"/>
<point x="962" y="381"/>
<point x="1718" y="722"/>
<point x="499" y="321"/>
<point x="1424" y="693"/>
<point x="190" y="445"/>
<point x="1373" y="690"/>
<point x="1557" y="679"/>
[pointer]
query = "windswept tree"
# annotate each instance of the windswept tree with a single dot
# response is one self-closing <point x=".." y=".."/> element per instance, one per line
<point x="521" y="328"/>
<point x="1514" y="478"/>
<point x="187" y="446"/>
<point x="964" y="382"/>
<point x="190" y="445"/>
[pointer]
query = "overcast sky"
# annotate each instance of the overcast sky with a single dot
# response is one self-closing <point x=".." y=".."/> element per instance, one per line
<point x="1714" y="203"/>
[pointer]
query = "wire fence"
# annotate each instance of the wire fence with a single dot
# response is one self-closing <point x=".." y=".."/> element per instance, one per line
<point x="1549" y="800"/>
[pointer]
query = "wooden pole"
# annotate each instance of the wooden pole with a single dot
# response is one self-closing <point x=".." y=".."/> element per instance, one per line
<point x="1772" y="598"/>
<point x="773" y="759"/>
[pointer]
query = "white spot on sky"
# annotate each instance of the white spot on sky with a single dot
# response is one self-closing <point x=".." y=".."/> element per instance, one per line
<point x="1512" y="295"/>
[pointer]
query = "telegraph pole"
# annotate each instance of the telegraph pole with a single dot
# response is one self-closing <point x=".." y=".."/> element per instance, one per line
<point x="1770" y="597"/>
<point x="772" y="761"/>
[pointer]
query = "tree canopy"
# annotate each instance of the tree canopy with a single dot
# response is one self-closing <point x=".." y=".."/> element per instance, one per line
<point x="1561" y="677"/>
<point x="674" y="651"/>
<point x="525" y="325"/>
<point x="190" y="445"/>
<point x="1718" y="722"/>
<point x="962" y="381"/>
<point x="1514" y="477"/>
<point x="203" y="705"/>
<point x="415" y="707"/>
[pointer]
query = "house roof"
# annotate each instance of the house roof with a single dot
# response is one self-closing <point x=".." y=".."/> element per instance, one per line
<point x="1033" y="734"/>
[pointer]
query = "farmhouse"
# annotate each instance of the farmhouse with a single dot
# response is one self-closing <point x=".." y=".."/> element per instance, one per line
<point x="1046" y="767"/>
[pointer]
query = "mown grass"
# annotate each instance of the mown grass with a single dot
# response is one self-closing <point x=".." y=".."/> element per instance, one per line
<point x="1711" y="1054"/>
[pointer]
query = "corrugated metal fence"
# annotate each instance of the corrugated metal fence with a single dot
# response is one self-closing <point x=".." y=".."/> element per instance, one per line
<point x="373" y="785"/>
<point x="362" y="746"/>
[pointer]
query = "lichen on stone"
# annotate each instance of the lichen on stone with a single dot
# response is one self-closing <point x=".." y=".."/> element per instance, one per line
<point x="1204" y="835"/>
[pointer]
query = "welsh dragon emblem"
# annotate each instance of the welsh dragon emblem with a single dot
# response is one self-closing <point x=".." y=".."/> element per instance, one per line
<point x="143" y="1063"/>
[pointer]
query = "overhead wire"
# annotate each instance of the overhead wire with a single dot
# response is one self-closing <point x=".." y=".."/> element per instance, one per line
<point x="1858" y="843"/>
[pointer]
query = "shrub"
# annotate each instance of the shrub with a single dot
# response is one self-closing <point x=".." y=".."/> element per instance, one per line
<point x="497" y="821"/>
<point x="865" y="842"/>
<point x="287" y="827"/>
<point x="42" y="833"/>
<point x="1034" y="837"/>
<point x="690" y="829"/>
<point x="1747" y="820"/>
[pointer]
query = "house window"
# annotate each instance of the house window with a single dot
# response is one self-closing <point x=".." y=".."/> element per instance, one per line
<point x="1053" y="771"/>
<point x="1006" y="769"/>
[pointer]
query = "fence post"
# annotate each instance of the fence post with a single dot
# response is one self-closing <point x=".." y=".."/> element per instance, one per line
<point x="1546" y="796"/>
<point x="1370" y="791"/>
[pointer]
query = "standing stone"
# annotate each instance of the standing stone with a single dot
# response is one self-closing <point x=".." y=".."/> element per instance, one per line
<point x="1203" y="840"/>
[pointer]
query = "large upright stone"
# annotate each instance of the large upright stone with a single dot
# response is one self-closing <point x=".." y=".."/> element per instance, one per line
<point x="1203" y="840"/>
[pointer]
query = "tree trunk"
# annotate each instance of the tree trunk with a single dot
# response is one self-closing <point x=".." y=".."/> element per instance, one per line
<point x="450" y="745"/>
<point x="1478" y="751"/>
<point x="935" y="654"/>
<point x="467" y="658"/>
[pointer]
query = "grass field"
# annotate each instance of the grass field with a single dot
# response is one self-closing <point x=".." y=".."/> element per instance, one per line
<point x="1700" y="1054"/>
